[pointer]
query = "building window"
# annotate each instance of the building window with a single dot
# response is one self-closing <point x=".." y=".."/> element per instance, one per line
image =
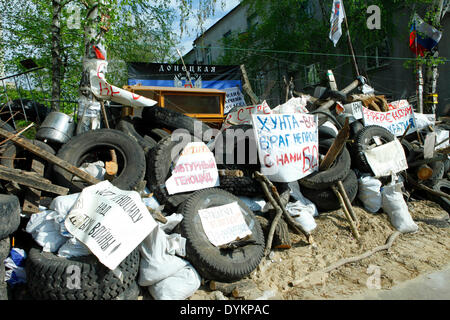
<point x="377" y="55"/>
<point x="227" y="34"/>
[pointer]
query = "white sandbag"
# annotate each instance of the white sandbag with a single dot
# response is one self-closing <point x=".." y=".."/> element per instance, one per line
<point x="254" y="204"/>
<point x="179" y="286"/>
<point x="307" y="204"/>
<point x="302" y="215"/>
<point x="396" y="208"/>
<point x="95" y="169"/>
<point x="172" y="221"/>
<point x="62" y="205"/>
<point x="158" y="259"/>
<point x="73" y="248"/>
<point x="369" y="192"/>
<point x="46" y="231"/>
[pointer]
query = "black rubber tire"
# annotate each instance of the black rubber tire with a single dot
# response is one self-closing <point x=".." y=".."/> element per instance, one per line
<point x="326" y="200"/>
<point x="227" y="144"/>
<point x="9" y="214"/>
<point x="225" y="265"/>
<point x="241" y="186"/>
<point x="438" y="168"/>
<point x="442" y="185"/>
<point x="127" y="126"/>
<point x="410" y="152"/>
<point x="5" y="247"/>
<point x="159" y="169"/>
<point x="48" y="276"/>
<point x="363" y="140"/>
<point x="173" y="120"/>
<point x="337" y="172"/>
<point x="157" y="134"/>
<point x="355" y="128"/>
<point x="6" y="126"/>
<point x="130" y="157"/>
<point x="326" y="133"/>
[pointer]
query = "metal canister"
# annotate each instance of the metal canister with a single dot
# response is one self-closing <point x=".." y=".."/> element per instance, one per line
<point x="57" y="127"/>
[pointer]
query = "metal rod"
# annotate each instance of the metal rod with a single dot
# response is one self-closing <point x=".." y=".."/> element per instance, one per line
<point x="34" y="100"/>
<point x="20" y="96"/>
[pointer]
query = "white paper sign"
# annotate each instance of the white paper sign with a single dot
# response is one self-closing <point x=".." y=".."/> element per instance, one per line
<point x="110" y="222"/>
<point x="287" y="145"/>
<point x="398" y="104"/>
<point x="233" y="98"/>
<point x="224" y="224"/>
<point x="387" y="159"/>
<point x="195" y="169"/>
<point x="354" y="108"/>
<point x="396" y="121"/>
<point x="243" y="115"/>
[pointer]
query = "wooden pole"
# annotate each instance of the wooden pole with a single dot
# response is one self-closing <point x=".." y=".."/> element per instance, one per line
<point x="350" y="45"/>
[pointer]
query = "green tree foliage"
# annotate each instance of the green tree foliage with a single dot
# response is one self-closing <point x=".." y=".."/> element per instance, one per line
<point x="138" y="30"/>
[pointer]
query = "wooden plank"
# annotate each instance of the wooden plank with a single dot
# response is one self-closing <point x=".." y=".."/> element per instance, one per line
<point x="336" y="147"/>
<point x="33" y="196"/>
<point x="49" y="157"/>
<point x="31" y="180"/>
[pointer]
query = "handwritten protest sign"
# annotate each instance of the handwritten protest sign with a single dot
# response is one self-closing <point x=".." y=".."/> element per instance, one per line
<point x="110" y="222"/>
<point x="387" y="159"/>
<point x="398" y="104"/>
<point x="195" y="169"/>
<point x="287" y="145"/>
<point x="354" y="108"/>
<point x="243" y="115"/>
<point x="224" y="224"/>
<point x="396" y="121"/>
<point x="233" y="98"/>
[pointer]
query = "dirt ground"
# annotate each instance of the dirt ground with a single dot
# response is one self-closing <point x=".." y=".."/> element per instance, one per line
<point x="411" y="255"/>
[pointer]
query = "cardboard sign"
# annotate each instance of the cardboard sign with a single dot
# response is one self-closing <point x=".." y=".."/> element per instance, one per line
<point x="396" y="121"/>
<point x="287" y="145"/>
<point x="387" y="159"/>
<point x="233" y="98"/>
<point x="224" y="224"/>
<point x="243" y="115"/>
<point x="195" y="169"/>
<point x="110" y="222"/>
<point x="354" y="108"/>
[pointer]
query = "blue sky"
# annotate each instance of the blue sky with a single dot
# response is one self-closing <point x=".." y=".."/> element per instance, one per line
<point x="187" y="39"/>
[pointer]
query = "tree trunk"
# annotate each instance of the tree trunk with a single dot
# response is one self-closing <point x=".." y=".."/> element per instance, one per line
<point x="431" y="70"/>
<point x="56" y="54"/>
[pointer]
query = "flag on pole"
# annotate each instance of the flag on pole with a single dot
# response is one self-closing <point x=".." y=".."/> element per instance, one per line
<point x="337" y="16"/>
<point x="423" y="37"/>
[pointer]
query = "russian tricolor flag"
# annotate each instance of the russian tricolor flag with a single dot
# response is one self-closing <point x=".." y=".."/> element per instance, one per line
<point x="423" y="37"/>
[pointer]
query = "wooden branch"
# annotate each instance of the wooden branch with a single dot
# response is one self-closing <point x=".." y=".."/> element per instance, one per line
<point x="49" y="157"/>
<point x="17" y="134"/>
<point x="247" y="87"/>
<point x="31" y="180"/>
<point x="336" y="147"/>
<point x="347" y="202"/>
<point x="276" y="203"/>
<point x="423" y="187"/>
<point x="387" y="246"/>
<point x="346" y="212"/>
<point x="231" y="173"/>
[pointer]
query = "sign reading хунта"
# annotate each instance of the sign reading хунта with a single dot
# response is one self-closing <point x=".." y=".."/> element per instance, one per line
<point x="287" y="145"/>
<point x="396" y="121"/>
